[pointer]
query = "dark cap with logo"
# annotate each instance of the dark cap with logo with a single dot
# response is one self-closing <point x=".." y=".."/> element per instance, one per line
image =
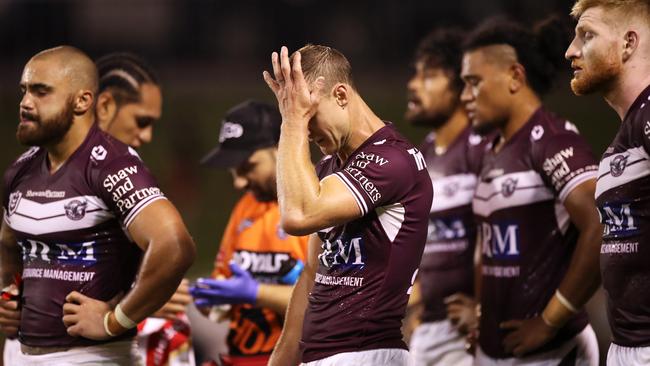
<point x="247" y="127"/>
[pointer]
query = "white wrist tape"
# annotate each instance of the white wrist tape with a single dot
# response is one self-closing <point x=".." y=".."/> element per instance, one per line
<point x="108" y="331"/>
<point x="563" y="300"/>
<point x="124" y="320"/>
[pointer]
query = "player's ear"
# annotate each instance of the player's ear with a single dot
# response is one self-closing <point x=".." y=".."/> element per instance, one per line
<point x="630" y="44"/>
<point x="341" y="94"/>
<point x="83" y="101"/>
<point x="106" y="109"/>
<point x="517" y="75"/>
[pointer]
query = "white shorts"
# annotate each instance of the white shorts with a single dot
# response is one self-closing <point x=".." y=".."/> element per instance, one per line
<point x="11" y="352"/>
<point x="113" y="354"/>
<point x="585" y="343"/>
<point x="375" y="357"/>
<point x="439" y="344"/>
<point x="628" y="356"/>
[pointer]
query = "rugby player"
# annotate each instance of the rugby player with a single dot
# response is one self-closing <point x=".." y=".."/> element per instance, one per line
<point x="452" y="153"/>
<point x="129" y="103"/>
<point x="610" y="56"/>
<point x="129" y="100"/>
<point x="367" y="205"/>
<point x="261" y="261"/>
<point x="82" y="217"/>
<point x="534" y="201"/>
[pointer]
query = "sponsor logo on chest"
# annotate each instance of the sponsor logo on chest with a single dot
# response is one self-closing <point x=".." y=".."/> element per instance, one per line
<point x="348" y="252"/>
<point x="46" y="194"/>
<point x="500" y="240"/>
<point x="619" y="220"/>
<point x="450" y="229"/>
<point x="69" y="252"/>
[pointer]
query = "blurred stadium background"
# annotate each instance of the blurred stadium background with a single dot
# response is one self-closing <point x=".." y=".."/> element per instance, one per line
<point x="210" y="55"/>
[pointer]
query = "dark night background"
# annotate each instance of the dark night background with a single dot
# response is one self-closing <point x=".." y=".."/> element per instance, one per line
<point x="210" y="55"/>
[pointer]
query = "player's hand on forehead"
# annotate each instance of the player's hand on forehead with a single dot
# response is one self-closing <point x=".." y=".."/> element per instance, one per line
<point x="296" y="100"/>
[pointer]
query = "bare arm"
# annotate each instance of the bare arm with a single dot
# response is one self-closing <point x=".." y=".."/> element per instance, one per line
<point x="177" y="303"/>
<point x="286" y="351"/>
<point x="578" y="285"/>
<point x="274" y="297"/>
<point x="583" y="277"/>
<point x="462" y="309"/>
<point x="168" y="252"/>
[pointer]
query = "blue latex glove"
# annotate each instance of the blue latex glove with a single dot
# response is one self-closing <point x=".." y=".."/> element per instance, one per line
<point x="238" y="289"/>
<point x="292" y="276"/>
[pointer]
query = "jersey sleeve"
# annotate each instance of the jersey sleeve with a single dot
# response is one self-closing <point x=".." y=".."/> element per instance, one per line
<point x="127" y="187"/>
<point x="380" y="176"/>
<point x="9" y="199"/>
<point x="566" y="162"/>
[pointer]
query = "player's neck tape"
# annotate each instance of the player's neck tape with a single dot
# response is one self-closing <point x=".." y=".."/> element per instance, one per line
<point x="124" y="320"/>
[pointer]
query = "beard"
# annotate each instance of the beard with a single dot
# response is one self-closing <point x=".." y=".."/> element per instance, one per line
<point x="602" y="76"/>
<point x="432" y="119"/>
<point x="266" y="193"/>
<point x="43" y="132"/>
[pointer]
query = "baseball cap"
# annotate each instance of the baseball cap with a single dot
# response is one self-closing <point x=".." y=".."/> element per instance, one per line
<point x="247" y="127"/>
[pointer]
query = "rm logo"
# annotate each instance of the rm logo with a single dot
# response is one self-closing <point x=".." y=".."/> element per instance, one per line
<point x="342" y="252"/>
<point x="618" y="219"/>
<point x="68" y="253"/>
<point x="500" y="241"/>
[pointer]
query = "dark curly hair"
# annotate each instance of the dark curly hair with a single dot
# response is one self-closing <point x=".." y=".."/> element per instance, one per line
<point x="539" y="50"/>
<point x="442" y="48"/>
<point x="123" y="74"/>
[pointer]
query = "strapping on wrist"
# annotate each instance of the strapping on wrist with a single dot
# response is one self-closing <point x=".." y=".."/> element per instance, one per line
<point x="123" y="319"/>
<point x="564" y="301"/>
<point x="558" y="311"/>
<point x="106" y="327"/>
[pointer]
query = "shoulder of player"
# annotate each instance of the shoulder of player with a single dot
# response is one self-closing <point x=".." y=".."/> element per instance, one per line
<point x="640" y="119"/>
<point x="325" y="165"/>
<point x="22" y="162"/>
<point x="550" y="128"/>
<point x="388" y="153"/>
<point x="104" y="152"/>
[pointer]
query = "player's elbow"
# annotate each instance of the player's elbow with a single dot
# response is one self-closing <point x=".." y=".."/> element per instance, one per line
<point x="188" y="253"/>
<point x="181" y="252"/>
<point x="295" y="224"/>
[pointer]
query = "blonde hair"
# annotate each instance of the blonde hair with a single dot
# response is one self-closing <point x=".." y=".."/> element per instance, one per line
<point x="626" y="7"/>
<point x="318" y="60"/>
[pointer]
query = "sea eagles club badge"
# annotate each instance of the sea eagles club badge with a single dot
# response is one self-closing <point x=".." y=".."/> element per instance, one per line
<point x="14" y="199"/>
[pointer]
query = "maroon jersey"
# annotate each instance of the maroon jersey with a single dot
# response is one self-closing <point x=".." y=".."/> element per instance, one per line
<point x="448" y="261"/>
<point x="623" y="199"/>
<point x="367" y="266"/>
<point x="71" y="228"/>
<point x="527" y="238"/>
